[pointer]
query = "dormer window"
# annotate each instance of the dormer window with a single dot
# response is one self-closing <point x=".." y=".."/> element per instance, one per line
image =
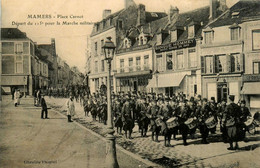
<point x="235" y="32"/>
<point x="159" y="38"/>
<point x="127" y="43"/>
<point x="208" y="35"/>
<point x="174" y="36"/>
<point x="97" y="27"/>
<point x="120" y="24"/>
<point x="191" y="31"/>
<point x="142" y="39"/>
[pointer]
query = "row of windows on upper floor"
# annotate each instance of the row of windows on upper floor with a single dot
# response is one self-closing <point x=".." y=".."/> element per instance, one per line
<point x="20" y="65"/>
<point x="17" y="48"/>
<point x="235" y="34"/>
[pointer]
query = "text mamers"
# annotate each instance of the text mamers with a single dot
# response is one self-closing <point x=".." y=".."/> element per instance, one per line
<point x="39" y="16"/>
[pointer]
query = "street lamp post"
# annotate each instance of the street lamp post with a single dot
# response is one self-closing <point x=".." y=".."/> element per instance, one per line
<point x="24" y="79"/>
<point x="111" y="159"/>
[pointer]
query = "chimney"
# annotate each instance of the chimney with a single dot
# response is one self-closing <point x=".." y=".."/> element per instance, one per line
<point x="213" y="9"/>
<point x="106" y="13"/>
<point x="141" y="15"/>
<point x="53" y="47"/>
<point x="174" y="11"/>
<point x="222" y="5"/>
<point x="129" y="3"/>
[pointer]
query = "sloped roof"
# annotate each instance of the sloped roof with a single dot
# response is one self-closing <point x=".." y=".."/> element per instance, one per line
<point x="238" y="13"/>
<point x="12" y="33"/>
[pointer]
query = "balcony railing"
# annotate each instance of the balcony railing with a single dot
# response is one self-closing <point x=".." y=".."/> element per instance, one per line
<point x="133" y="69"/>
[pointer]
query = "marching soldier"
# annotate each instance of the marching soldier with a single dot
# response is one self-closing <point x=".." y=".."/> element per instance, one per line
<point x="153" y="110"/>
<point x="192" y="106"/>
<point x="221" y="109"/>
<point x="244" y="115"/>
<point x="203" y="115"/>
<point x="213" y="112"/>
<point x="127" y="118"/>
<point x="231" y="119"/>
<point x="117" y="107"/>
<point x="184" y="113"/>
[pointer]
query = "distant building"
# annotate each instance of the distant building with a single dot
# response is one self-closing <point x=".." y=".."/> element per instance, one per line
<point x="115" y="26"/>
<point x="18" y="55"/>
<point x="52" y="61"/>
<point x="230" y="54"/>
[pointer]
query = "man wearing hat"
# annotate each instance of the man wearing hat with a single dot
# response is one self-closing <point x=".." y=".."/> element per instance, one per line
<point x="231" y="118"/>
<point x="244" y="115"/>
<point x="153" y="110"/>
<point x="44" y="107"/>
<point x="203" y="115"/>
<point x="127" y="118"/>
<point x="71" y="108"/>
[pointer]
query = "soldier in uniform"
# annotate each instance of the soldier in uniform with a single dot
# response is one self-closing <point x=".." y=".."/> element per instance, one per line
<point x="231" y="119"/>
<point x="143" y="119"/>
<point x="221" y="109"/>
<point x="117" y="107"/>
<point x="127" y="118"/>
<point x="213" y="112"/>
<point x="203" y="115"/>
<point x="244" y="115"/>
<point x="153" y="110"/>
<point x="184" y="113"/>
<point x="192" y="106"/>
<point x="166" y="112"/>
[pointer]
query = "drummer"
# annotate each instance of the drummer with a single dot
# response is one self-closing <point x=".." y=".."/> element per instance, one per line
<point x="184" y="113"/>
<point x="244" y="115"/>
<point x="213" y="112"/>
<point x="174" y="105"/>
<point x="153" y="110"/>
<point x="192" y="106"/>
<point x="203" y="115"/>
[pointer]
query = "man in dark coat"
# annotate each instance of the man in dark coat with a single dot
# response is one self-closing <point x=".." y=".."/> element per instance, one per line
<point x="127" y="118"/>
<point x="203" y="114"/>
<point x="44" y="108"/>
<point x="12" y="92"/>
<point x="231" y="119"/>
<point x="245" y="113"/>
<point x="153" y="110"/>
<point x="184" y="112"/>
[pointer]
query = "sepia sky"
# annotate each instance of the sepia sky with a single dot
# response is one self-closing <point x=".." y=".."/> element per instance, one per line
<point x="71" y="39"/>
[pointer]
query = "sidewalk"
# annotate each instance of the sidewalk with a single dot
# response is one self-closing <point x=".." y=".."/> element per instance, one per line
<point x="195" y="154"/>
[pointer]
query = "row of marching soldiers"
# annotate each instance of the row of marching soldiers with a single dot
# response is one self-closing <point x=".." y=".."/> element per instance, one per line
<point x="170" y="116"/>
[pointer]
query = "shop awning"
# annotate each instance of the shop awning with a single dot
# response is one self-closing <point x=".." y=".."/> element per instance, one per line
<point x="166" y="80"/>
<point x="13" y="80"/>
<point x="251" y="88"/>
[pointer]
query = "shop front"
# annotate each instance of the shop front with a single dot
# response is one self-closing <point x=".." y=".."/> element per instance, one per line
<point x="251" y="91"/>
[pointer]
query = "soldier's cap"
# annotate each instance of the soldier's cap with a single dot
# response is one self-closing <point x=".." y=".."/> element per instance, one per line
<point x="243" y="102"/>
<point x="205" y="99"/>
<point x="191" y="99"/>
<point x="212" y="98"/>
<point x="231" y="97"/>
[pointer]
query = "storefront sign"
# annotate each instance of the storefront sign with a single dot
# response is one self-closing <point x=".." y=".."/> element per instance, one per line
<point x="251" y="78"/>
<point x="175" y="45"/>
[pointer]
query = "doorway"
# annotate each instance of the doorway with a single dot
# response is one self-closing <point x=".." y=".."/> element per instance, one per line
<point x="222" y="91"/>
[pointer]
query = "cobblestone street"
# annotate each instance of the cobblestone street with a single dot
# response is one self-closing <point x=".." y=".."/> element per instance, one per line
<point x="195" y="154"/>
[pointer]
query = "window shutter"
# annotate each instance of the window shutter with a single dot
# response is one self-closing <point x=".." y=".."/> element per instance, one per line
<point x="228" y="63"/>
<point x="215" y="64"/>
<point x="202" y="64"/>
<point x="241" y="62"/>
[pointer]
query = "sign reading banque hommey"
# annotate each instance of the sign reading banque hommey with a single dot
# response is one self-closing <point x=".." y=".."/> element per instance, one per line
<point x="175" y="45"/>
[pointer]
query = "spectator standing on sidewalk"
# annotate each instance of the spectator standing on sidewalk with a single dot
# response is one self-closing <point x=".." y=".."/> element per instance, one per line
<point x="44" y="107"/>
<point x="71" y="108"/>
<point x="12" y="92"/>
<point x="17" y="96"/>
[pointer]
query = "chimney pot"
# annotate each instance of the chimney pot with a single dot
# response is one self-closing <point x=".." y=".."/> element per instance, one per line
<point x="106" y="13"/>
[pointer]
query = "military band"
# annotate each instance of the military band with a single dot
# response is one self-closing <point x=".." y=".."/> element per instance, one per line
<point x="167" y="116"/>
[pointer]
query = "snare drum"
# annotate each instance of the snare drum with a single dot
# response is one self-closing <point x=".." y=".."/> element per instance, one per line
<point x="158" y="122"/>
<point x="250" y="124"/>
<point x="211" y="122"/>
<point x="191" y="123"/>
<point x="172" y="122"/>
